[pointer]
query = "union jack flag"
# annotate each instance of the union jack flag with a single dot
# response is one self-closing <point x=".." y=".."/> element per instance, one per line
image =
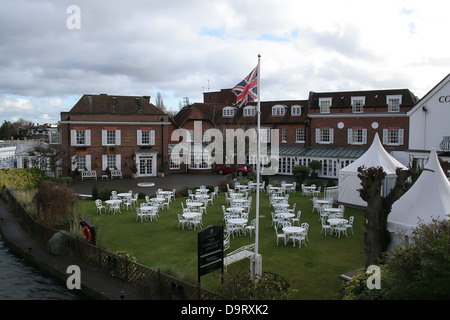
<point x="247" y="90"/>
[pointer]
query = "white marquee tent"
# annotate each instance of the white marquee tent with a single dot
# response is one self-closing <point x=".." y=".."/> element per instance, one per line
<point x="427" y="199"/>
<point x="375" y="156"/>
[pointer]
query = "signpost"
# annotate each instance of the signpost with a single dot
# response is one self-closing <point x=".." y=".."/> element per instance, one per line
<point x="210" y="250"/>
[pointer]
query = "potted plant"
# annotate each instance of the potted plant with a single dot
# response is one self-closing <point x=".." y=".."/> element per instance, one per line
<point x="161" y="170"/>
<point x="133" y="169"/>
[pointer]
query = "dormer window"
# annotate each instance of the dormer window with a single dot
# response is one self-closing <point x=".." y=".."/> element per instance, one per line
<point x="358" y="104"/>
<point x="325" y="104"/>
<point x="296" y="110"/>
<point x="249" y="111"/>
<point x="278" y="110"/>
<point x="228" y="112"/>
<point x="394" y="103"/>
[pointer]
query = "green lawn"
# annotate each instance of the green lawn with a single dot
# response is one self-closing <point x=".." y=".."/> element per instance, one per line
<point x="313" y="271"/>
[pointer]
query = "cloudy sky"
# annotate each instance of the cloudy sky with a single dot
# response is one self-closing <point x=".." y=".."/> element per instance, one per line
<point x="50" y="56"/>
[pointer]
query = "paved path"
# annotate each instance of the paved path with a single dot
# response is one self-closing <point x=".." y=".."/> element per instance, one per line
<point x="174" y="181"/>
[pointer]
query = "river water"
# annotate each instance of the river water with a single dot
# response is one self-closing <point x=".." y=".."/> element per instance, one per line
<point x="21" y="281"/>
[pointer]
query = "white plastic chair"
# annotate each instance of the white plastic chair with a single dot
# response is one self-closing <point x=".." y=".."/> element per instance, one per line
<point x="134" y="199"/>
<point x="127" y="203"/>
<point x="325" y="227"/>
<point x="305" y="225"/>
<point x="350" y="223"/>
<point x="182" y="221"/>
<point x="297" y="219"/>
<point x="251" y="227"/>
<point x="115" y="207"/>
<point x="100" y="206"/>
<point x="301" y="238"/>
<point x="280" y="235"/>
<point x="341" y="228"/>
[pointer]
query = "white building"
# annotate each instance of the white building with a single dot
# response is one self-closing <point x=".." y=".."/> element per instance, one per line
<point x="429" y="121"/>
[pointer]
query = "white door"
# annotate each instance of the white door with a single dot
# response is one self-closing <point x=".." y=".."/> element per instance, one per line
<point x="146" y="164"/>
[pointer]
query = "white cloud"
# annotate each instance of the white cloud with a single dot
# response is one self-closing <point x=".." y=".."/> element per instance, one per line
<point x="11" y="105"/>
<point x="178" y="47"/>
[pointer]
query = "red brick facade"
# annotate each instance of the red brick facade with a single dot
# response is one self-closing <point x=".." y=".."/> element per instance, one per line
<point x="308" y="130"/>
<point x="120" y="132"/>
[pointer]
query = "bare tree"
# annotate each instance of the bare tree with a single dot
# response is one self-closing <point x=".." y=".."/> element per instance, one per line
<point x="378" y="208"/>
<point x="46" y="156"/>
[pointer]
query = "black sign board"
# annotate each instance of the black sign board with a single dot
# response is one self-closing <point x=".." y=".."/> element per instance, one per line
<point x="210" y="250"/>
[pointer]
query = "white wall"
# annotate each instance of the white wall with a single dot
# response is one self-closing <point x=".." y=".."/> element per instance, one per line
<point x="427" y="128"/>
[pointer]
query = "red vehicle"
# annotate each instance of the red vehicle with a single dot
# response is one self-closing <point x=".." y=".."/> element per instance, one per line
<point x="241" y="169"/>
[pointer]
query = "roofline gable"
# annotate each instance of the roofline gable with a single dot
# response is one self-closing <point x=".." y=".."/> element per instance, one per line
<point x="429" y="94"/>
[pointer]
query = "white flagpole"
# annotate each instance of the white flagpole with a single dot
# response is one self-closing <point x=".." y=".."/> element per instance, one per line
<point x="257" y="263"/>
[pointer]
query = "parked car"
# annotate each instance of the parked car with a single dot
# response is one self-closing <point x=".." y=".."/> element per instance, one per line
<point x="241" y="169"/>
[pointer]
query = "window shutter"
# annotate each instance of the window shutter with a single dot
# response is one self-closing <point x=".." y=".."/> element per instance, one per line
<point x="74" y="163"/>
<point x="385" y="136"/>
<point x="364" y="136"/>
<point x="317" y="135"/>
<point x="88" y="162"/>
<point x="349" y="136"/>
<point x="73" y="137"/>
<point x="139" y="137"/>
<point x="152" y="137"/>
<point x="118" y="162"/>
<point x="118" y="138"/>
<point x="104" y="162"/>
<point x="88" y="138"/>
<point x="400" y="136"/>
<point x="331" y="135"/>
<point x="103" y="138"/>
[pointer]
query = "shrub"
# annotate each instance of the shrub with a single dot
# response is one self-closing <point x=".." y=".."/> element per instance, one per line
<point x="54" y="202"/>
<point x="418" y="271"/>
<point x="20" y="179"/>
<point x="105" y="194"/>
<point x="223" y="185"/>
<point x="300" y="173"/>
<point x="270" y="286"/>
<point x="95" y="192"/>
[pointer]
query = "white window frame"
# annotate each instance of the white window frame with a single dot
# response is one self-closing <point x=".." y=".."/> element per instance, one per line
<point x="358" y="104"/>
<point x="54" y="137"/>
<point x="200" y="161"/>
<point x="249" y="111"/>
<point x="394" y="107"/>
<point x="141" y="137"/>
<point x="354" y="134"/>
<point x="116" y="159"/>
<point x="283" y="135"/>
<point x="174" y="163"/>
<point x="296" y="110"/>
<point x="228" y="112"/>
<point x="87" y="162"/>
<point x="264" y="135"/>
<point x="105" y="138"/>
<point x="389" y="138"/>
<point x="75" y="136"/>
<point x="322" y="132"/>
<point x="325" y="105"/>
<point x="300" y="133"/>
<point x="278" y="110"/>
